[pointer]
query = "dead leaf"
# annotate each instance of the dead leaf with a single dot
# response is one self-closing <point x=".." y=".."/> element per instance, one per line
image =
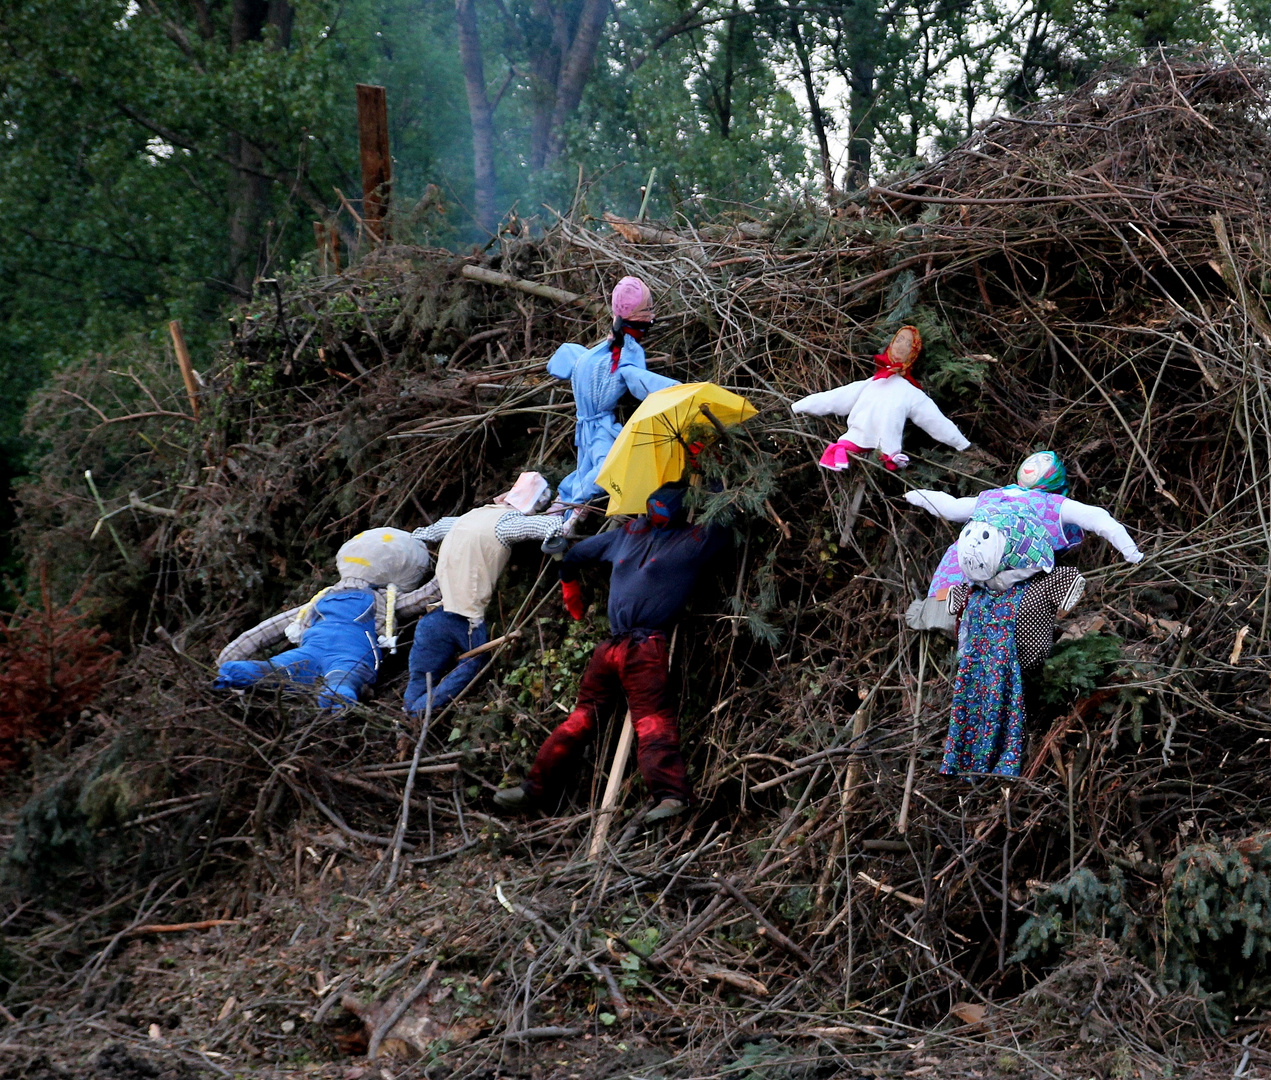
<point x="426" y="1021"/>
<point x="227" y="1008"/>
<point x="969" y="1013"/>
<point x="727" y="976"/>
<point x="1239" y="646"/>
<point x="1090" y="623"/>
<point x="1163" y="627"/>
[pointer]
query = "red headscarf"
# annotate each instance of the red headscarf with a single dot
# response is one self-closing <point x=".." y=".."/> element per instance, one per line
<point x="887" y="365"/>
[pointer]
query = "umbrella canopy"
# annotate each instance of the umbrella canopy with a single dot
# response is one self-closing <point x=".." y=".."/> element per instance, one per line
<point x="650" y="450"/>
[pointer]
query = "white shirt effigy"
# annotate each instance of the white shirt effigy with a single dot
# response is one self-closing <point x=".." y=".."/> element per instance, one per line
<point x="877" y="410"/>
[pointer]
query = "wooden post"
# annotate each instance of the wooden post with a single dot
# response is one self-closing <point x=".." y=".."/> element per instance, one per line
<point x="852" y="782"/>
<point x="326" y="238"/>
<point x="187" y="368"/>
<point x="377" y="164"/>
<point x="902" y="823"/>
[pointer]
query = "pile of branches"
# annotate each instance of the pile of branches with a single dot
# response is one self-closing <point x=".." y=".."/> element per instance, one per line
<point x="1089" y="277"/>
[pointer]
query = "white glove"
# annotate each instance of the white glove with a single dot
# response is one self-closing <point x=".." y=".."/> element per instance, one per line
<point x="1136" y="556"/>
<point x="294" y="632"/>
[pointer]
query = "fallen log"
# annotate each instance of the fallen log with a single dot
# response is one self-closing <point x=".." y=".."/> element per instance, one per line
<point x="533" y="288"/>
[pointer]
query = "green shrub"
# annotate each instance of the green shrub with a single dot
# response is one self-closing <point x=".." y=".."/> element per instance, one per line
<point x="1217" y="923"/>
<point x="1218" y="916"/>
<point x="1077" y="667"/>
<point x="1080" y="902"/>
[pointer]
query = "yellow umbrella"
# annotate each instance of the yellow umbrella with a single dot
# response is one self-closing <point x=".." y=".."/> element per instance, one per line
<point x="650" y="452"/>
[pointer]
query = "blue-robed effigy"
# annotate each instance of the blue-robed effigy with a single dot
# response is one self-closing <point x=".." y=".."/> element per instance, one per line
<point x="598" y="387"/>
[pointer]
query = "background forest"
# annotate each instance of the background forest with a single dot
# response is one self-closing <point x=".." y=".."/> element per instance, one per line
<point x="159" y="156"/>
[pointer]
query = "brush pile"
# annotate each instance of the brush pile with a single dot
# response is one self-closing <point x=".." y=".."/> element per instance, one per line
<point x="1090" y="277"/>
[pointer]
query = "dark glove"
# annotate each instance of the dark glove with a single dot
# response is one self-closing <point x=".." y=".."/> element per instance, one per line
<point x="572" y="593"/>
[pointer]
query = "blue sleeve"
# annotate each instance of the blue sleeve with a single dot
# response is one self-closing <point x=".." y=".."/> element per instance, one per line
<point x="642" y="382"/>
<point x="593" y="549"/>
<point x="561" y="365"/>
<point x="635" y="374"/>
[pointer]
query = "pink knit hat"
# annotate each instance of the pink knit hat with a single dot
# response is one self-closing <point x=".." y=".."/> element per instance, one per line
<point x="632" y="300"/>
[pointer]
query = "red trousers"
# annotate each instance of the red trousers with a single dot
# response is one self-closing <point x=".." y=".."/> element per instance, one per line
<point x="638" y="669"/>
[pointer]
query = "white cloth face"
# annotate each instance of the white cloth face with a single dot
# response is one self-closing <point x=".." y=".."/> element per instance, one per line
<point x="1034" y="467"/>
<point x="528" y="494"/>
<point x="384" y="557"/>
<point x="980" y="550"/>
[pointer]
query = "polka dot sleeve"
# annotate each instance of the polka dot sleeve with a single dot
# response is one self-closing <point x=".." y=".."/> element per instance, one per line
<point x="1045" y="597"/>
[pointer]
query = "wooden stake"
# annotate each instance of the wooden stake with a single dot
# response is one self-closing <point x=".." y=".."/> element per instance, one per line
<point x="903" y="823"/>
<point x="377" y="162"/>
<point x="860" y="722"/>
<point x="648" y="190"/>
<point x="187" y="368"/>
<point x="512" y="635"/>
<point x="853" y="509"/>
<point x="400" y="835"/>
<point x="326" y="238"/>
<point x="609" y="803"/>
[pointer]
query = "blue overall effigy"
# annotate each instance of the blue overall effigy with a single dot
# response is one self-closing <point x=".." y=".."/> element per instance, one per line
<point x="338" y="649"/>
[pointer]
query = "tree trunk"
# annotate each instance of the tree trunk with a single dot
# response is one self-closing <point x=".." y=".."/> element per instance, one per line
<point x="249" y="191"/>
<point x="576" y="69"/>
<point x="860" y="39"/>
<point x="479" y="112"/>
<point x="549" y="41"/>
<point x="865" y="44"/>
<point x="726" y="114"/>
<point x="861" y="113"/>
<point x="814" y="104"/>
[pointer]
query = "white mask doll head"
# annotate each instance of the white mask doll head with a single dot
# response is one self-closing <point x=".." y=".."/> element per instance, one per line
<point x="980" y="550"/>
<point x="530" y="494"/>
<point x="999" y="550"/>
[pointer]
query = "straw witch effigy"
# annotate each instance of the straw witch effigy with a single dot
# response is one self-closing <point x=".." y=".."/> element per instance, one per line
<point x="1088" y="276"/>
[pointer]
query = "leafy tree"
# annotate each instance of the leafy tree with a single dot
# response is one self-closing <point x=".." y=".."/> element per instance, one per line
<point x="157" y="156"/>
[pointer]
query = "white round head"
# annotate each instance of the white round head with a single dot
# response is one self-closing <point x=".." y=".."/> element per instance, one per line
<point x="1044" y="472"/>
<point x="980" y="550"/>
<point x="383" y="557"/>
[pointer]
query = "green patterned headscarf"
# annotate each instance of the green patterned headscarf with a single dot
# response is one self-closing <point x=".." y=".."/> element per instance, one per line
<point x="995" y="541"/>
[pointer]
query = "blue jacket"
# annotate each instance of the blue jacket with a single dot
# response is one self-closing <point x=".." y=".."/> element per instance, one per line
<point x="654" y="570"/>
<point x="597" y="391"/>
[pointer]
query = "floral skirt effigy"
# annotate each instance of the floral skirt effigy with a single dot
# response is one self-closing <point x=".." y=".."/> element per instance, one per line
<point x="986" y="727"/>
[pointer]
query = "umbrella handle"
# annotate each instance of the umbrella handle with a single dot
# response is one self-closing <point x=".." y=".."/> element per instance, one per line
<point x="706" y="411"/>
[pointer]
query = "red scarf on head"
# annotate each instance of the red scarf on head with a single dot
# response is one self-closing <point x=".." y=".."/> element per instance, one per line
<point x="636" y="333"/>
<point x="886" y="367"/>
